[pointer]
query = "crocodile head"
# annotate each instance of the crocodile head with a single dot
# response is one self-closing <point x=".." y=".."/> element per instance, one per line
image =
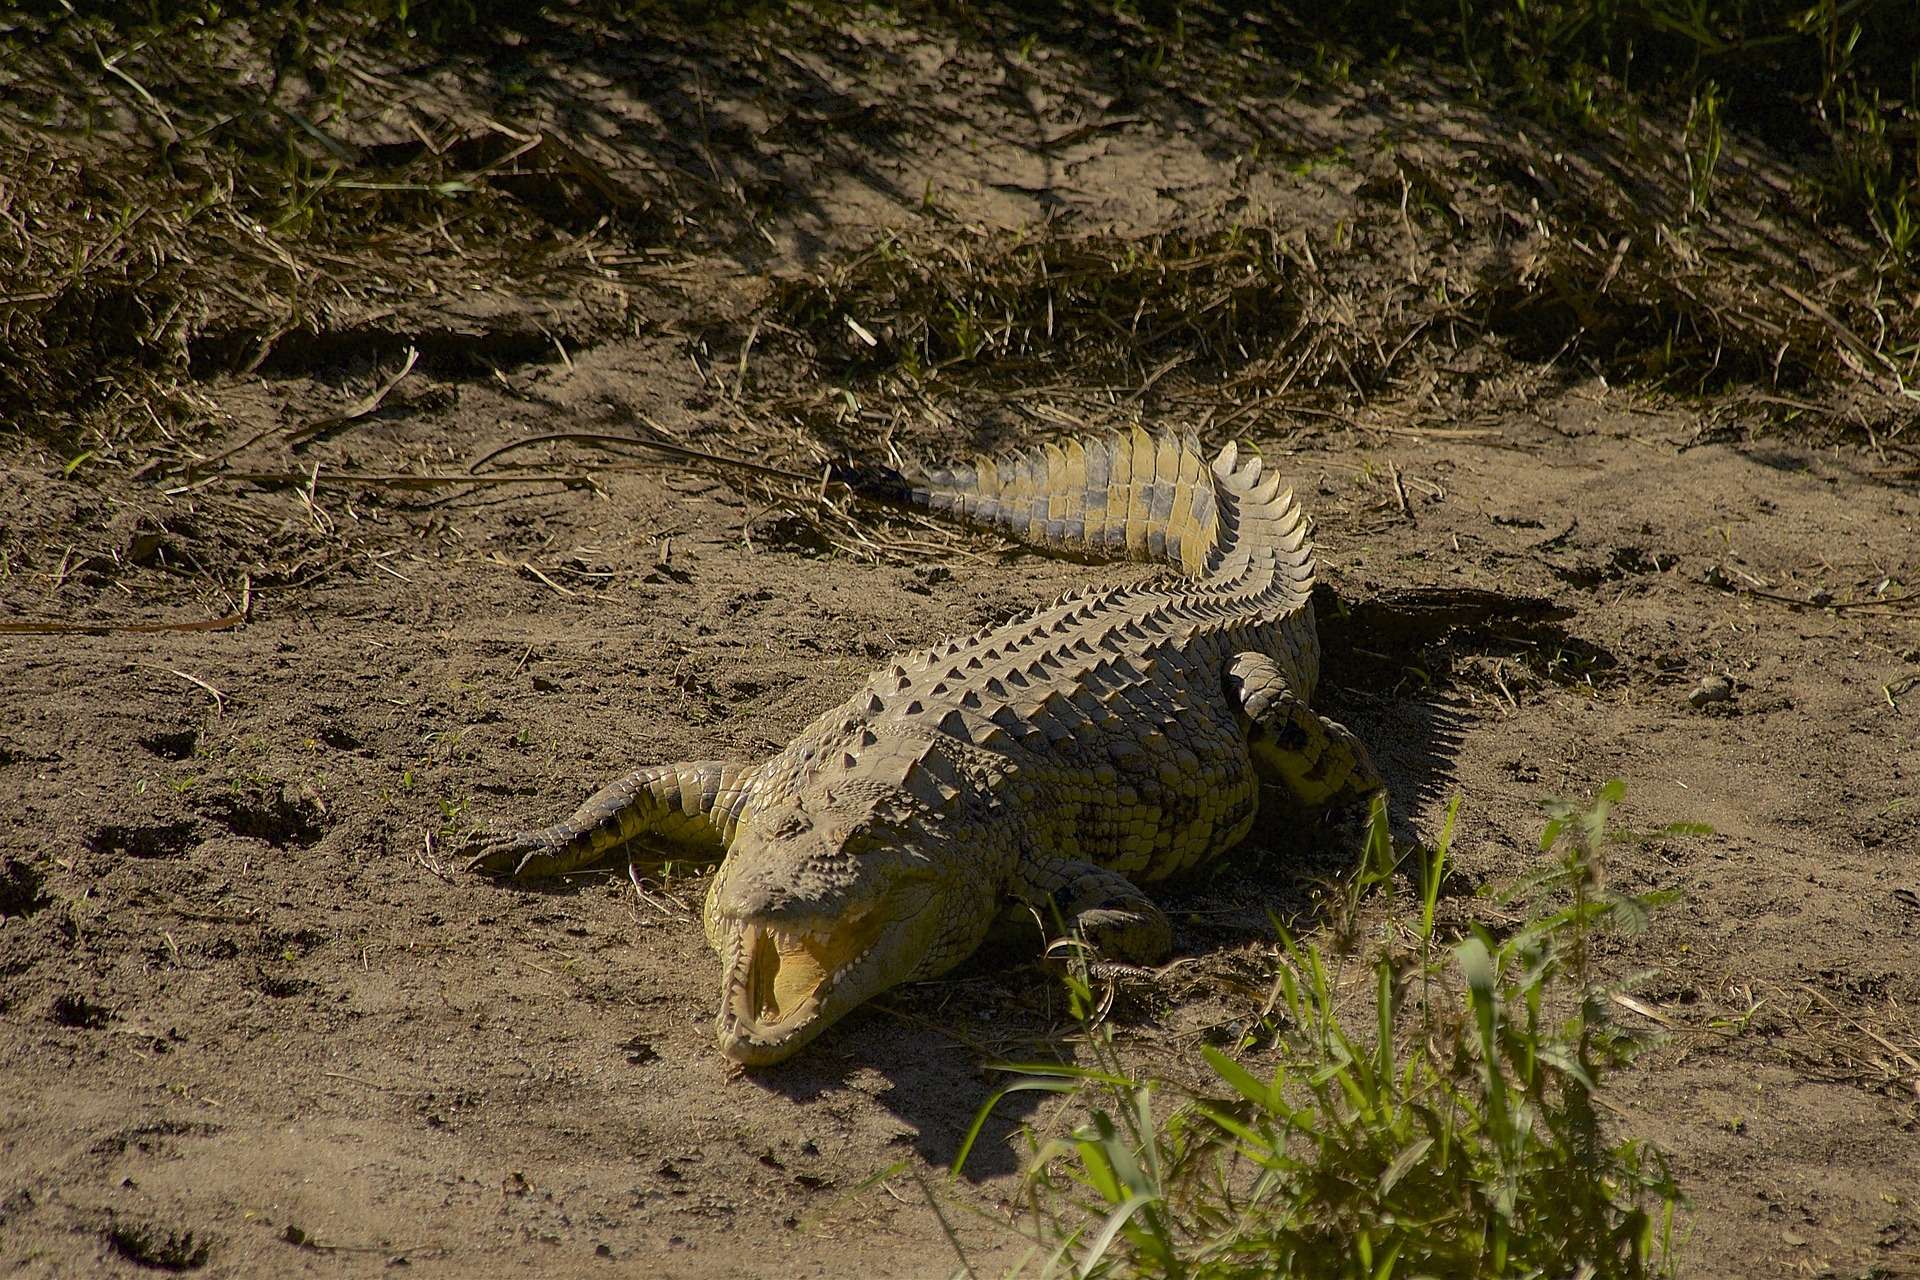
<point x="827" y="901"/>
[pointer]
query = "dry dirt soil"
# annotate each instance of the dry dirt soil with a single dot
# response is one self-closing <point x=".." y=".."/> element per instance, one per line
<point x="255" y="1021"/>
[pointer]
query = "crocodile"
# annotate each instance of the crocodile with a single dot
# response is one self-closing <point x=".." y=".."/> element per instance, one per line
<point x="1043" y="769"/>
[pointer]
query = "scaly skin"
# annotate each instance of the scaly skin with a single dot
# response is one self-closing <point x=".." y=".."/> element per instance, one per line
<point x="1049" y="765"/>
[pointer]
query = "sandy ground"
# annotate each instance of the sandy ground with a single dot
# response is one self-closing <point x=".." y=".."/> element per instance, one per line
<point x="253" y="1021"/>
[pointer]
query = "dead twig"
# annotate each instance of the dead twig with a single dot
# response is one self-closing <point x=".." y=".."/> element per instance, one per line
<point x="641" y="442"/>
<point x="669" y="908"/>
<point x="1906" y="1059"/>
<point x="219" y="698"/>
<point x="389" y="479"/>
<point x="1899" y="604"/>
<point x="529" y="568"/>
<point x="371" y="1084"/>
<point x="1400" y="491"/>
<point x="361" y="409"/>
<point x="49" y="627"/>
<point x="1433" y="433"/>
<point x="426" y="859"/>
<point x="1847" y="339"/>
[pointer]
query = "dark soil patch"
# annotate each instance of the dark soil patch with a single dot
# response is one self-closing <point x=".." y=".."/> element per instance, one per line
<point x="70" y="1010"/>
<point x="21" y="889"/>
<point x="161" y="1248"/>
<point x="281" y="987"/>
<point x="271" y="816"/>
<point x="160" y="840"/>
<point x="175" y="744"/>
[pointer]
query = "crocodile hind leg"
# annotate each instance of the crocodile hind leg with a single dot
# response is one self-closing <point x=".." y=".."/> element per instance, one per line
<point x="1115" y="917"/>
<point x="1319" y="761"/>
<point x="691" y="807"/>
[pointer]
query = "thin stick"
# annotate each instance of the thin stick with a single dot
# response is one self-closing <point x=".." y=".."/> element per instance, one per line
<point x="527" y="566"/>
<point x="946" y="1228"/>
<point x="424" y="857"/>
<point x="1862" y="1028"/>
<point x="1793" y="602"/>
<point x="666" y="907"/>
<point x="659" y="446"/>
<point x="1400" y="491"/>
<point x="1435" y="433"/>
<point x="219" y="698"/>
<point x="55" y="628"/>
<point x="390" y="479"/>
<point x="1847" y="337"/>
<point x="371" y="1084"/>
<point x="366" y="406"/>
<point x="317" y="427"/>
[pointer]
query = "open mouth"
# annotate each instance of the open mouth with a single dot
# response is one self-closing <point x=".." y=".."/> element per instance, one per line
<point x="778" y="978"/>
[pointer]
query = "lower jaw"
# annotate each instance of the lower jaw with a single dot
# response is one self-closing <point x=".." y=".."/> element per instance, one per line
<point x="745" y="1043"/>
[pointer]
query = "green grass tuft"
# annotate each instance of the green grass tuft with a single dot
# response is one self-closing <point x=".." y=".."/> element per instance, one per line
<point x="1442" y="1122"/>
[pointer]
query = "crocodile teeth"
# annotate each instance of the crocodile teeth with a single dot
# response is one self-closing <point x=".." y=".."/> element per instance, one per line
<point x="780" y="975"/>
<point x="793" y="939"/>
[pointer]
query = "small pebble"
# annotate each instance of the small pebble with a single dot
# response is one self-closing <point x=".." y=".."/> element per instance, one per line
<point x="1711" y="689"/>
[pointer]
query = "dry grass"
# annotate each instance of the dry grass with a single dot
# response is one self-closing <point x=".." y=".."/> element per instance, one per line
<point x="1258" y="326"/>
<point x="1658" y="236"/>
<point x="189" y="192"/>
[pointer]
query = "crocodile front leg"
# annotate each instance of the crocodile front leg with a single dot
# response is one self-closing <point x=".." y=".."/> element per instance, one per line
<point x="1100" y="905"/>
<point x="692" y="807"/>
<point x="1318" y="760"/>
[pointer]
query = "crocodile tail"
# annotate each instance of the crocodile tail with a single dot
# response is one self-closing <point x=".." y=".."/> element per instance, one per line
<point x="1263" y="541"/>
<point x="1129" y="496"/>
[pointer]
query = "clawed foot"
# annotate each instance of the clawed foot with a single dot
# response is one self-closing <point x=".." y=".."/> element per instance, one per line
<point x="1115" y="986"/>
<point x="513" y="855"/>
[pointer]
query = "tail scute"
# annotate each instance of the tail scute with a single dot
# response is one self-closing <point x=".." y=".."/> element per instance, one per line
<point x="1126" y="496"/>
<point x="1134" y="496"/>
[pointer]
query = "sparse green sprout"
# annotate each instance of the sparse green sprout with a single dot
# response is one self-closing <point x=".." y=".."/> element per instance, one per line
<point x="1463" y="1142"/>
<point x="1703" y="146"/>
<point x="451" y="810"/>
